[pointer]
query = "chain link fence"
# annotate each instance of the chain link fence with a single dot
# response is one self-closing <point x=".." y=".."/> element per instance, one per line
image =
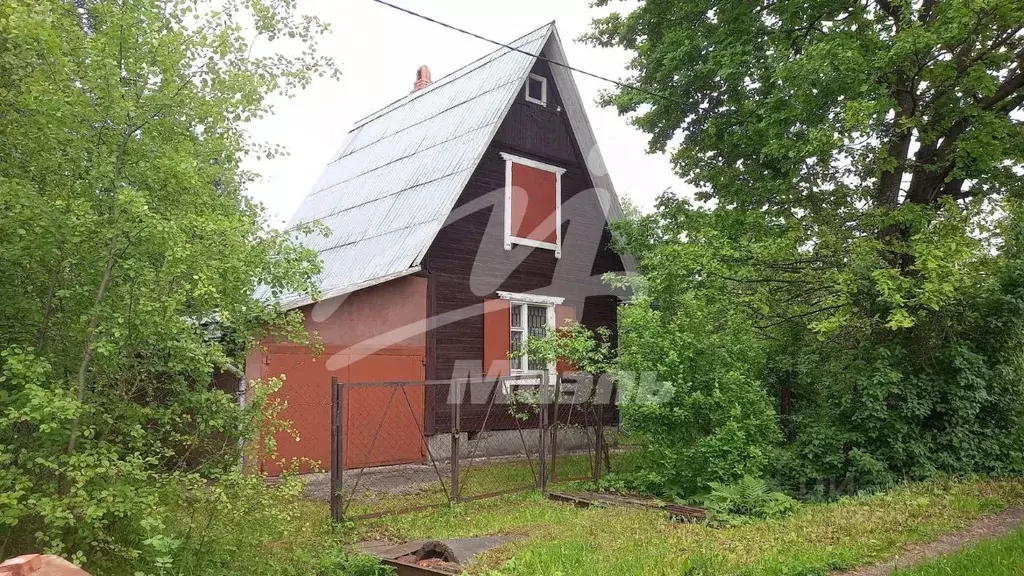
<point x="399" y="447"/>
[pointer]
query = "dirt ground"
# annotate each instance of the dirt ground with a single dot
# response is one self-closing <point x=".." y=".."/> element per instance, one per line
<point x="986" y="528"/>
<point x="403" y="478"/>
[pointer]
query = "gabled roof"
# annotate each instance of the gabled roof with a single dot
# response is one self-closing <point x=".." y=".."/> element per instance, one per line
<point x="387" y="192"/>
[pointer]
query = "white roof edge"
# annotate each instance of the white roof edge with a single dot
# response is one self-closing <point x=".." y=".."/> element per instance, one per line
<point x="335" y="292"/>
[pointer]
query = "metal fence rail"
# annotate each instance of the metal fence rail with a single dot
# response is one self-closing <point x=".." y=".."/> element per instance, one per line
<point x="399" y="447"/>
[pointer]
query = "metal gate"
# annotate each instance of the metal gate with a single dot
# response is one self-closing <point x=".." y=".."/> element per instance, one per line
<point x="399" y="447"/>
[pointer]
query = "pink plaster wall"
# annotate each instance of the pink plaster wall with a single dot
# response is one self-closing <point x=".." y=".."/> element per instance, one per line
<point x="372" y="335"/>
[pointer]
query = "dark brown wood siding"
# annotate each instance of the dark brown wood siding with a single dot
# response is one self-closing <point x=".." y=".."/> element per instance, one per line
<point x="467" y="261"/>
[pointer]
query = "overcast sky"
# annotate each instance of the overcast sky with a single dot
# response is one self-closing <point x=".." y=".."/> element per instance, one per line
<point x="379" y="49"/>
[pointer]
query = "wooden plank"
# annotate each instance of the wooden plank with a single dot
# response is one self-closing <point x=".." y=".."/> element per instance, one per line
<point x="606" y="499"/>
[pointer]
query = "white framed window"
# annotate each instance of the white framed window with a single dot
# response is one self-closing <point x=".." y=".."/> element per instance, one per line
<point x="530" y="315"/>
<point x="537" y="89"/>
<point x="533" y="203"/>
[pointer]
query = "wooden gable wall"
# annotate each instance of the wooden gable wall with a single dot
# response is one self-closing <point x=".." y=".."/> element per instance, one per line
<point x="467" y="261"/>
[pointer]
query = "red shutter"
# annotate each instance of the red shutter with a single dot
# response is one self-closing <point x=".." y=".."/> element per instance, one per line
<point x="496" y="337"/>
<point x="533" y="203"/>
<point x="563" y="314"/>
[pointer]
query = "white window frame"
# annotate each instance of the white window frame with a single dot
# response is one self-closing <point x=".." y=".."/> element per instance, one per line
<point x="525" y="300"/>
<point x="511" y="159"/>
<point x="543" y="90"/>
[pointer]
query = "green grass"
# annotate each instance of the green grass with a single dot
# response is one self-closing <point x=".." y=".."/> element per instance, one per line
<point x="561" y="539"/>
<point x="999" y="557"/>
<point x="242" y="529"/>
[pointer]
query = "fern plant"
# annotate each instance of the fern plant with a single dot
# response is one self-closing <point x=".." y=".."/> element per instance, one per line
<point x="748" y="499"/>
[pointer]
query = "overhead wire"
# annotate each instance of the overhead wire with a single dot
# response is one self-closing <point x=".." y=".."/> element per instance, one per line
<point x="618" y="83"/>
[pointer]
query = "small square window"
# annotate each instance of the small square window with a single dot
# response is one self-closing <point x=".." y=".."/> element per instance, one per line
<point x="537" y="89"/>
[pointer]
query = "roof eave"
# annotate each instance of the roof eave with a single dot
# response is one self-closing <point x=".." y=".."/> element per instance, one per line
<point x="347" y="289"/>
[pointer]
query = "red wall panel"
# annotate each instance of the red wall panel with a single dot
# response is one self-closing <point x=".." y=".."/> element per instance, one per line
<point x="533" y="203"/>
<point x="373" y="335"/>
<point x="496" y="337"/>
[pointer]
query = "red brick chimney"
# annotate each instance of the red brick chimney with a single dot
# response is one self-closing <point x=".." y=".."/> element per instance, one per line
<point x="422" y="78"/>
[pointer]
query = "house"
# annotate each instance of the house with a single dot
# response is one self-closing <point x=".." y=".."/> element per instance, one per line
<point x="464" y="216"/>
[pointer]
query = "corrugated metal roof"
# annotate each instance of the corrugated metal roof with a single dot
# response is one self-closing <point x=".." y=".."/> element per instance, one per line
<point x="401" y="169"/>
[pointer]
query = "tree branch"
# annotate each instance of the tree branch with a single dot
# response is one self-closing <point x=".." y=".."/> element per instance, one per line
<point x="897" y="150"/>
<point x="48" y="305"/>
<point x="889" y="8"/>
<point x="90" y="338"/>
<point x="935" y="163"/>
<point x="1008" y="88"/>
<point x="799" y="316"/>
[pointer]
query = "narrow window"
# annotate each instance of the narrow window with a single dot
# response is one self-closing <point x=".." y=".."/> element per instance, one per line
<point x="537" y="89"/>
<point x="537" y="323"/>
<point x="516" y="336"/>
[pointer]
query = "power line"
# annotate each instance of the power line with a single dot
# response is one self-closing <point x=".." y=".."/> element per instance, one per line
<point x="537" y="56"/>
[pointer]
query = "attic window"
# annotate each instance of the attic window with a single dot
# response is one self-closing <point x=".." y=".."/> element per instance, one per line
<point x="533" y="204"/>
<point x="537" y="89"/>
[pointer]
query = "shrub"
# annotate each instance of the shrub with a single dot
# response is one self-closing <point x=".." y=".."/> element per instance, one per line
<point x="341" y="563"/>
<point x="242" y="525"/>
<point x="713" y="422"/>
<point x="119" y="512"/>
<point x="691" y="400"/>
<point x="912" y="367"/>
<point x="90" y="502"/>
<point x="945" y="396"/>
<point x="748" y="499"/>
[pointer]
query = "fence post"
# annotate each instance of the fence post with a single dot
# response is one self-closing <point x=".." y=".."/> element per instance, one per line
<point x="337" y="448"/>
<point x="598" y="441"/>
<point x="453" y="496"/>
<point x="554" y="428"/>
<point x="542" y="448"/>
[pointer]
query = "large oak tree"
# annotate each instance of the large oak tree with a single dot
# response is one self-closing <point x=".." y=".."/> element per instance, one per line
<point x="858" y="167"/>
<point x="851" y="125"/>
